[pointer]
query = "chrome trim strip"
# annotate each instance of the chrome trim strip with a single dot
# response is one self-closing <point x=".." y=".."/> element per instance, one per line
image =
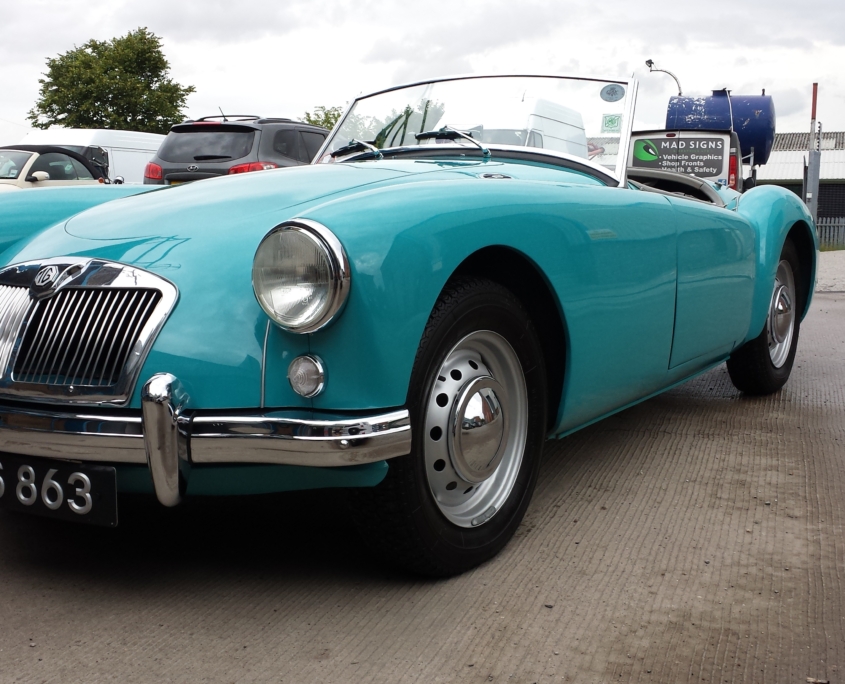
<point x="273" y="438"/>
<point x="75" y="436"/>
<point x="625" y="136"/>
<point x="475" y="77"/>
<point x="264" y="362"/>
<point x="166" y="445"/>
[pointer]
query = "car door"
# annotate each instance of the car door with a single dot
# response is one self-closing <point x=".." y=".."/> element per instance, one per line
<point x="616" y="281"/>
<point x="63" y="170"/>
<point x="715" y="282"/>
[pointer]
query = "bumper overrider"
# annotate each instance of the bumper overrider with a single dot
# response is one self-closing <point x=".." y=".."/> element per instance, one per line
<point x="74" y="332"/>
<point x="168" y="440"/>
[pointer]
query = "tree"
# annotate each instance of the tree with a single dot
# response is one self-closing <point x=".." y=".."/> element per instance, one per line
<point x="123" y="83"/>
<point x="323" y="116"/>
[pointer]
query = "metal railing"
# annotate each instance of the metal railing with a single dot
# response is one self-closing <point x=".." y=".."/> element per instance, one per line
<point x="831" y="232"/>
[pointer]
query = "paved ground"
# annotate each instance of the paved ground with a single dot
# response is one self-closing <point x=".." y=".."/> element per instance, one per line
<point x="696" y="537"/>
<point x="831" y="277"/>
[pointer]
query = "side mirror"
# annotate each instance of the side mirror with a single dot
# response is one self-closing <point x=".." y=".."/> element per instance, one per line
<point x="118" y="180"/>
<point x="37" y="176"/>
<point x="748" y="183"/>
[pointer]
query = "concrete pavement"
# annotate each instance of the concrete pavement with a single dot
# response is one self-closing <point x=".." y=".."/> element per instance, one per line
<point x="695" y="537"/>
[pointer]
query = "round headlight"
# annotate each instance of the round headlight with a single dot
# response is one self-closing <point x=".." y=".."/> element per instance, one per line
<point x="300" y="275"/>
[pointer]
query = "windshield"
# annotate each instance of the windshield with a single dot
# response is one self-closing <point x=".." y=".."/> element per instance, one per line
<point x="581" y="117"/>
<point x="11" y="163"/>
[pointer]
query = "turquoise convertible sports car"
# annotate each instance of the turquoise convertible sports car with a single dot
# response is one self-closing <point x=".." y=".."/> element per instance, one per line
<point x="466" y="270"/>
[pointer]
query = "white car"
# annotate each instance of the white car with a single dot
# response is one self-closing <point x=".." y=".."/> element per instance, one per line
<point x="29" y="166"/>
<point x="121" y="154"/>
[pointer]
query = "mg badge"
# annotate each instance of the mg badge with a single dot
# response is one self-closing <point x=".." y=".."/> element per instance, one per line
<point x="193" y="167"/>
<point x="46" y="276"/>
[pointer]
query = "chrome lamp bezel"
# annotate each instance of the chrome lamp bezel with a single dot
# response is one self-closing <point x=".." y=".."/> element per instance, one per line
<point x="339" y="273"/>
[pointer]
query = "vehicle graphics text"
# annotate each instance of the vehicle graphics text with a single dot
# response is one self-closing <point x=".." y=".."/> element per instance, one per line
<point x="704" y="157"/>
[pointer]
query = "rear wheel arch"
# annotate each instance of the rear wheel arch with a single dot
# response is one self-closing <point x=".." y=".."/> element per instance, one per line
<point x="516" y="272"/>
<point x="802" y="238"/>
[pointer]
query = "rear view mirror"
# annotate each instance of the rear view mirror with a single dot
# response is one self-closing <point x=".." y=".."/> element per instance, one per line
<point x="37" y="176"/>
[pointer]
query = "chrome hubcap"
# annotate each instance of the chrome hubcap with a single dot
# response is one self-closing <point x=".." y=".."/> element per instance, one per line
<point x="476" y="426"/>
<point x="780" y="325"/>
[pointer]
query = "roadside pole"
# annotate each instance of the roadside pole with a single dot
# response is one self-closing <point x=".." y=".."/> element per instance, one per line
<point x="814" y="160"/>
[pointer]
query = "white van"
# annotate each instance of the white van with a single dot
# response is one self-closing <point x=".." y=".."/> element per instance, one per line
<point x="561" y="128"/>
<point x="120" y="153"/>
<point x="547" y="125"/>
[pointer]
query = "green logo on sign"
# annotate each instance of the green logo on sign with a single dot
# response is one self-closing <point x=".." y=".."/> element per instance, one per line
<point x="644" y="150"/>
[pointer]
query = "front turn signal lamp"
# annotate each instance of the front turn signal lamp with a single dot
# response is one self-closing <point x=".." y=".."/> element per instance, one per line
<point x="300" y="275"/>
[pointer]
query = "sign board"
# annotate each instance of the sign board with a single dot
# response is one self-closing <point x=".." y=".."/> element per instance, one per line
<point x="697" y="153"/>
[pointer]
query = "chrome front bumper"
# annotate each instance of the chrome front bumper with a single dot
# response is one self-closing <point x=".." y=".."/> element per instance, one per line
<point x="167" y="441"/>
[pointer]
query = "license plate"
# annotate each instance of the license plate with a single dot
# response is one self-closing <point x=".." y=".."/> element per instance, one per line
<point x="59" y="489"/>
<point x="175" y="182"/>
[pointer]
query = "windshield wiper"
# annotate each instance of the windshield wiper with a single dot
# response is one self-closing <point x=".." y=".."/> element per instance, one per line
<point x="449" y="133"/>
<point x="208" y="157"/>
<point x="357" y="146"/>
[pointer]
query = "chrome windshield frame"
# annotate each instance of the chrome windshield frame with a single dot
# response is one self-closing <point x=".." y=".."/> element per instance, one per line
<point x="631" y="86"/>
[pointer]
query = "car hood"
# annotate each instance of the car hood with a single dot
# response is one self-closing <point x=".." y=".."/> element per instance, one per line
<point x="202" y="237"/>
<point x="256" y="199"/>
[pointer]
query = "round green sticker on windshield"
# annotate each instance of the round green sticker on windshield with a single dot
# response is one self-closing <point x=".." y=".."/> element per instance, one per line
<point x="612" y="93"/>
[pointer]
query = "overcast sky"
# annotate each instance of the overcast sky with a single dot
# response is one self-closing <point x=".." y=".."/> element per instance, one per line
<point x="283" y="57"/>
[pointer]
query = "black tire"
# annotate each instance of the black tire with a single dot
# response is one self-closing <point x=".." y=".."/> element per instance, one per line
<point x="751" y="367"/>
<point x="400" y="518"/>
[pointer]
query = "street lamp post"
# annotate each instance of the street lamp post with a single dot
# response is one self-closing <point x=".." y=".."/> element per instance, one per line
<point x="650" y="64"/>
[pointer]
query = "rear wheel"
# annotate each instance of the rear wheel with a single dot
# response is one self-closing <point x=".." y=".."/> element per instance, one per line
<point x="478" y="400"/>
<point x="763" y="365"/>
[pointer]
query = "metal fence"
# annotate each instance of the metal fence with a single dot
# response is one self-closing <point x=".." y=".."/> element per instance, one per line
<point x="831" y="232"/>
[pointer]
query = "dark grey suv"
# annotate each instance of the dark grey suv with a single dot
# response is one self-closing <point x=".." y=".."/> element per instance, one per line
<point x="218" y="145"/>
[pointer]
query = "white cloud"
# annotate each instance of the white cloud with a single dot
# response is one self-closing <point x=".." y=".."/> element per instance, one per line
<point x="281" y="58"/>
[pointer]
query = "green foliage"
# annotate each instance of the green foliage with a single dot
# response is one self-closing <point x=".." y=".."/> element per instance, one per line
<point x="122" y="83"/>
<point x="323" y="116"/>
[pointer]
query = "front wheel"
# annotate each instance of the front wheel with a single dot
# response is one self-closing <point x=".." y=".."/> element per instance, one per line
<point x="763" y="365"/>
<point x="478" y="406"/>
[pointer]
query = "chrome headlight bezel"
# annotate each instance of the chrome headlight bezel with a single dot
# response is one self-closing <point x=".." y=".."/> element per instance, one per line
<point x="337" y="262"/>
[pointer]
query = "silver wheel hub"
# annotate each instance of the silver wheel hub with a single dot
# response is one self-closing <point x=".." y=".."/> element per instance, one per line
<point x="477" y="427"/>
<point x="780" y="325"/>
<point x="781" y="314"/>
<point x="476" y="424"/>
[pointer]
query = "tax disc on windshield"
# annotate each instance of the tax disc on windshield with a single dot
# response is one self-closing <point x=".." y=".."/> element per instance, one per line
<point x="612" y="93"/>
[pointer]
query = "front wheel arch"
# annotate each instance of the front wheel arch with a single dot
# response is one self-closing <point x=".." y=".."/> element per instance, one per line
<point x="517" y="273"/>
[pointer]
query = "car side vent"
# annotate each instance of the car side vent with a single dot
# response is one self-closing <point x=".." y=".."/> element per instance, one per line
<point x="495" y="176"/>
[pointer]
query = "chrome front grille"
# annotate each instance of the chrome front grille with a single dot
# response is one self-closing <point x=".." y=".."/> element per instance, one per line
<point x="14" y="303"/>
<point x="78" y="330"/>
<point x="82" y="337"/>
